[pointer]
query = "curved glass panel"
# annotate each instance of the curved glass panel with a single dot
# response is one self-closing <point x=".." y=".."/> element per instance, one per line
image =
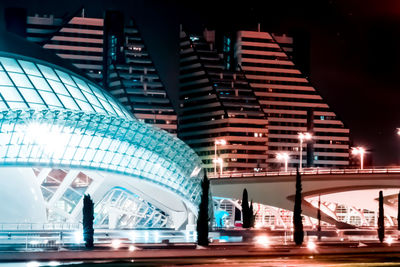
<point x="77" y="140"/>
<point x="52" y="117"/>
<point x="27" y="83"/>
<point x="129" y="210"/>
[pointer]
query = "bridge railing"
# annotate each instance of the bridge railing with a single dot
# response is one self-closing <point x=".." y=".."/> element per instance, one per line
<point x="308" y="171"/>
<point x="39" y="226"/>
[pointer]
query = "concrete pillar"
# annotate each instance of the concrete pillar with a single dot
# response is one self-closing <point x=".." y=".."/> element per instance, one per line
<point x="191" y="225"/>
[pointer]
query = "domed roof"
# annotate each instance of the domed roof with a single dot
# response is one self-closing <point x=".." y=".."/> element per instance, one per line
<point x="28" y="82"/>
<point x="53" y="117"/>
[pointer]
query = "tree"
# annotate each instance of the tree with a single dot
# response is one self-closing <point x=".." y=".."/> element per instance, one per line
<point x="381" y="219"/>
<point x="298" y="233"/>
<point x="319" y="218"/>
<point x="398" y="211"/>
<point x="245" y="210"/>
<point x="203" y="218"/>
<point x="87" y="222"/>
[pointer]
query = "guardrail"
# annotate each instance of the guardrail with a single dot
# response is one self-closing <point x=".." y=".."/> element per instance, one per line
<point x="39" y="226"/>
<point x="315" y="171"/>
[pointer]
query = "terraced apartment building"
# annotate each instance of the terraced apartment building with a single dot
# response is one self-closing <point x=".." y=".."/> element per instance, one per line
<point x="221" y="117"/>
<point x="290" y="102"/>
<point x="251" y="94"/>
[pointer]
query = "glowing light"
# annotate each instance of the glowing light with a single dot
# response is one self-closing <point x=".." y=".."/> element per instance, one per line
<point x="221" y="142"/>
<point x="284" y="157"/>
<point x="116" y="243"/>
<point x="217" y="142"/>
<point x="53" y="263"/>
<point x="132" y="248"/>
<point x="398" y="131"/>
<point x="221" y="164"/>
<point x="389" y="240"/>
<point x="304" y="136"/>
<point x="33" y="264"/>
<point x="311" y="245"/>
<point x="78" y="237"/>
<point x="218" y="160"/>
<point x="34" y="242"/>
<point x="359" y="151"/>
<point x="263" y="241"/>
<point x="51" y="138"/>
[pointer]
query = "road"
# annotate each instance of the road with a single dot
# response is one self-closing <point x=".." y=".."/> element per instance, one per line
<point x="317" y="260"/>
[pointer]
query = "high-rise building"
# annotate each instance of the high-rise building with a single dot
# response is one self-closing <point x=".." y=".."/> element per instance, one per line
<point x="111" y="53"/>
<point x="291" y="103"/>
<point x="132" y="77"/>
<point x="222" y="98"/>
<point x="77" y="39"/>
<point x="221" y="117"/>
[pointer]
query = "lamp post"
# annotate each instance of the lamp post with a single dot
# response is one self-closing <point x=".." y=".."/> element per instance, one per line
<point x="302" y="137"/>
<point x="359" y="151"/>
<point x="217" y="142"/>
<point x="285" y="157"/>
<point x="221" y="165"/>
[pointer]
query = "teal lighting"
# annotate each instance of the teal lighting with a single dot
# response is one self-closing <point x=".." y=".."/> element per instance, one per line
<point x="51" y="117"/>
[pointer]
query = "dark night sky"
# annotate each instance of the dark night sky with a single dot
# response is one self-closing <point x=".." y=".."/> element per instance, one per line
<point x="354" y="48"/>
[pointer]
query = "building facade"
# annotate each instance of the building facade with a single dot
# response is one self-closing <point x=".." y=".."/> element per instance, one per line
<point x="221" y="117"/>
<point x="291" y="103"/>
<point x="77" y="39"/>
<point x="112" y="53"/>
<point x="131" y="76"/>
<point x="248" y="92"/>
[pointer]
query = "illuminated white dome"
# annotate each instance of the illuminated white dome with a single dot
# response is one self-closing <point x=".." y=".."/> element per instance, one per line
<point x="28" y="84"/>
<point x="65" y="127"/>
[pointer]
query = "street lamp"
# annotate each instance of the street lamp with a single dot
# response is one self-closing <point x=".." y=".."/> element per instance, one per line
<point x="302" y="137"/>
<point x="217" y="142"/>
<point x="221" y="165"/>
<point x="359" y="151"/>
<point x="285" y="157"/>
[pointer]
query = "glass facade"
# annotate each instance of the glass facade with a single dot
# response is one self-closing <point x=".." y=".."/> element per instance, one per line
<point x="136" y="212"/>
<point x="73" y="139"/>
<point x="25" y="84"/>
<point x="54" y="119"/>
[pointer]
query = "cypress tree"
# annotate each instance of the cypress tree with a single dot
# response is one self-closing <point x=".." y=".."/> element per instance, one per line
<point x="203" y="217"/>
<point x="245" y="209"/>
<point x="398" y="211"/>
<point x="87" y="221"/>
<point x="298" y="233"/>
<point x="381" y="219"/>
<point x="319" y="218"/>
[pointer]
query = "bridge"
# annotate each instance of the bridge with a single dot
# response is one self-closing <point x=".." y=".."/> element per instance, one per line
<point x="350" y="187"/>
